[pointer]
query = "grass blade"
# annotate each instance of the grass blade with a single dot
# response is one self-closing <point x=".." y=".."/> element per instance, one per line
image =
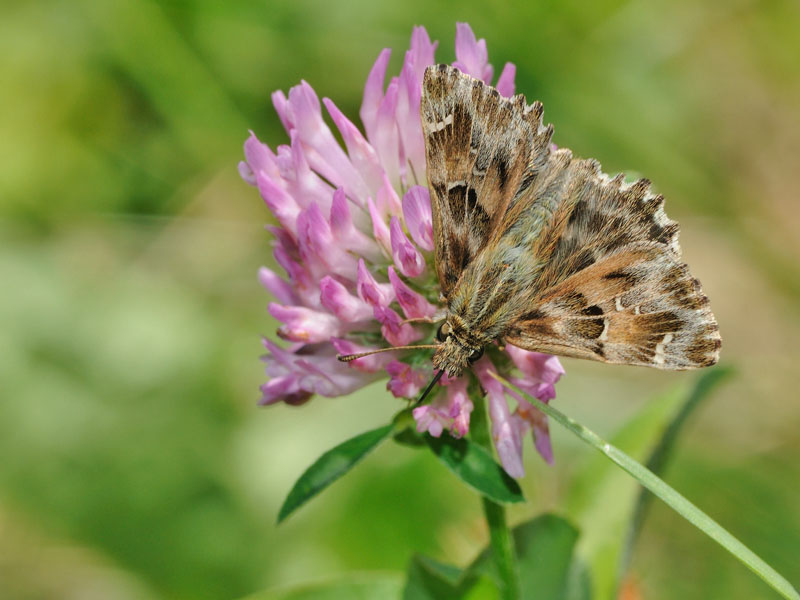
<point x="660" y="456"/>
<point x="669" y="495"/>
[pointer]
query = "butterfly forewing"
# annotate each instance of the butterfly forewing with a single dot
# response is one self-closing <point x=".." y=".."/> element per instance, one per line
<point x="545" y="251"/>
<point x="479" y="148"/>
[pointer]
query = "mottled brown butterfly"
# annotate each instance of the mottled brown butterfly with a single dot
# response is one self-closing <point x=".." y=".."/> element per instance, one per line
<point x="544" y="251"/>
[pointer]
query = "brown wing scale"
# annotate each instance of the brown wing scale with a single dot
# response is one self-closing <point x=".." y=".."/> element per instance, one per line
<point x="638" y="305"/>
<point x="480" y="149"/>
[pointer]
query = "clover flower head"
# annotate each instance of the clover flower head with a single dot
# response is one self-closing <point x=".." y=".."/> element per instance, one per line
<point x="354" y="237"/>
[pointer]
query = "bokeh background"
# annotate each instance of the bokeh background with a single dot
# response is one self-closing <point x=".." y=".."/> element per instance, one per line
<point x="134" y="462"/>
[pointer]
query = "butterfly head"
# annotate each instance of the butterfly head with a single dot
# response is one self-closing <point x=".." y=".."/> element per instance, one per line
<point x="454" y="353"/>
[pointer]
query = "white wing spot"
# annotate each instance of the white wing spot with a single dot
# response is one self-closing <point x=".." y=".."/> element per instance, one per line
<point x="637" y="311"/>
<point x="604" y="335"/>
<point x="659" y="355"/>
<point x="618" y="303"/>
<point x="448" y="120"/>
<point x="455" y="184"/>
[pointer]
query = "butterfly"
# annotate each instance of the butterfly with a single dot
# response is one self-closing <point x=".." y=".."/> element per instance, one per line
<point x="539" y="249"/>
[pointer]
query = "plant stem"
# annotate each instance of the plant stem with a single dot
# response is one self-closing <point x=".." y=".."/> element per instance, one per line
<point x="500" y="539"/>
<point x="502" y="549"/>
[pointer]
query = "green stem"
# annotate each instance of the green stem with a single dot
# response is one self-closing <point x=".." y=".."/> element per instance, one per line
<point x="672" y="498"/>
<point x="500" y="539"/>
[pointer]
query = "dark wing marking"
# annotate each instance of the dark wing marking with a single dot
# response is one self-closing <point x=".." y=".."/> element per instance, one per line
<point x="481" y="149"/>
<point x="637" y="305"/>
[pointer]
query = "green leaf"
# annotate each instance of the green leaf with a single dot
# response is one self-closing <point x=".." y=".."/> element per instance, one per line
<point x="545" y="559"/>
<point x="357" y="586"/>
<point x="659" y="457"/>
<point x="409" y="437"/>
<point x="476" y="467"/>
<point x="544" y="551"/>
<point x="670" y="496"/>
<point x="330" y="466"/>
<point x="602" y="497"/>
<point x="429" y="579"/>
<point x="405" y="428"/>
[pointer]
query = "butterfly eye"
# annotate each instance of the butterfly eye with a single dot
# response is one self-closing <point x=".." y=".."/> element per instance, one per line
<point x="443" y="332"/>
<point x="476" y="354"/>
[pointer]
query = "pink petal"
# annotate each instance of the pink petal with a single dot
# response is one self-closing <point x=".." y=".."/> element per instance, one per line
<point x="302" y="283"/>
<point x="283" y="109"/>
<point x="431" y="419"/>
<point x="278" y="287"/>
<point x="279" y="360"/>
<point x="373" y="94"/>
<point x="506" y="437"/>
<point x="297" y="178"/>
<point x="414" y="305"/>
<point x="385" y="137"/>
<point x="323" y="151"/>
<point x="541" y="441"/>
<point x="417" y="214"/>
<point x="279" y="201"/>
<point x="307" y="187"/>
<point x="306" y="325"/>
<point x="258" y="157"/>
<point x="406" y="256"/>
<point x="362" y="154"/>
<point x="370" y="291"/>
<point x="388" y="202"/>
<point x="393" y="329"/>
<point x="537" y="421"/>
<point x="347" y="234"/>
<point x="347" y="307"/>
<point x="540" y="368"/>
<point x="318" y="247"/>
<point x="422" y="51"/>
<point x="285" y="162"/>
<point x="284" y="389"/>
<point x="409" y="124"/>
<point x="405" y="382"/>
<point x="331" y="377"/>
<point x="505" y="83"/>
<point x="341" y="218"/>
<point x="459" y="407"/>
<point x="246" y="173"/>
<point x="285" y="239"/>
<point x="543" y="391"/>
<point x="316" y="367"/>
<point x="379" y="229"/>
<point x="417" y="58"/>
<point x="472" y="56"/>
<point x="368" y="364"/>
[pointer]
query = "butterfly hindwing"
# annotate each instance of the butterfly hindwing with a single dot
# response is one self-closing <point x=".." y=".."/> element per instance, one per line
<point x="637" y="305"/>
<point x="480" y="148"/>
<point x="606" y="215"/>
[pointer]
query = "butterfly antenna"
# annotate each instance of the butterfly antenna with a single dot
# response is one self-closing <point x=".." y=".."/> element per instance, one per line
<point x="428" y="389"/>
<point x="350" y="357"/>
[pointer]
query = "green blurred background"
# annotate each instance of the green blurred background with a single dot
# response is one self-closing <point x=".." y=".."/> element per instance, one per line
<point x="134" y="462"/>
